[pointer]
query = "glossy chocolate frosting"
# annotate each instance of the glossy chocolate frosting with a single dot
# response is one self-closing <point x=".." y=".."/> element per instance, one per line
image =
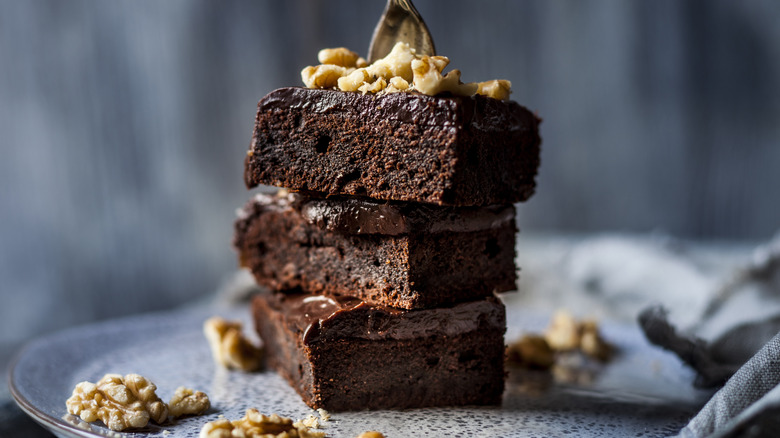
<point x="447" y="110"/>
<point x="335" y="317"/>
<point x="347" y="215"/>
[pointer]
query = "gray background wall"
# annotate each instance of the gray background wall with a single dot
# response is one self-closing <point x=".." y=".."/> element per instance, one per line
<point x="123" y="127"/>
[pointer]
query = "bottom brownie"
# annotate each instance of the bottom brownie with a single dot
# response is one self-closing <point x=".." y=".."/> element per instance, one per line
<point x="343" y="354"/>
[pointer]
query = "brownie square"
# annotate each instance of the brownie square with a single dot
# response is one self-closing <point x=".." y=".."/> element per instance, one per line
<point x="447" y="150"/>
<point x="403" y="255"/>
<point x="341" y="353"/>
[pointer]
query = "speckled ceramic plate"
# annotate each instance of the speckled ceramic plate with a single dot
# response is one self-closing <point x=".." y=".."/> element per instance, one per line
<point x="643" y="392"/>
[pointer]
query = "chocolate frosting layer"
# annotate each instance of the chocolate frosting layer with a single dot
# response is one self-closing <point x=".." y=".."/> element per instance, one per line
<point x="321" y="317"/>
<point x="443" y="110"/>
<point x="346" y="215"/>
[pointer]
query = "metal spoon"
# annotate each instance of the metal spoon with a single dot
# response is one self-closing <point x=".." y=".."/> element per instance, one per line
<point x="400" y="23"/>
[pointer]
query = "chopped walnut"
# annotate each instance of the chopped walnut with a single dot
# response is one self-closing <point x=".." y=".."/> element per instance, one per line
<point x="591" y="342"/>
<point x="353" y="81"/>
<point x="397" y="84"/>
<point x="401" y="70"/>
<point x="531" y="351"/>
<point x="397" y="63"/>
<point x="497" y="89"/>
<point x="563" y="334"/>
<point x="374" y="87"/>
<point x="256" y="425"/>
<point x="185" y="401"/>
<point x="310" y="421"/>
<point x="217" y="429"/>
<point x="371" y="434"/>
<point x="428" y="78"/>
<point x="229" y="347"/>
<point x="324" y="415"/>
<point x="120" y="403"/>
<point x="340" y="56"/>
<point x="323" y="75"/>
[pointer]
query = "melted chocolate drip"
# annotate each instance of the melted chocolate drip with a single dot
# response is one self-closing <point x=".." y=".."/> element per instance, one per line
<point x="331" y="317"/>
<point x="348" y="215"/>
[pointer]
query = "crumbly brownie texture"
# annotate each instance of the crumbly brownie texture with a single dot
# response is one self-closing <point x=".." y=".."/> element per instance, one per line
<point x="387" y="254"/>
<point x="447" y="150"/>
<point x="343" y="354"/>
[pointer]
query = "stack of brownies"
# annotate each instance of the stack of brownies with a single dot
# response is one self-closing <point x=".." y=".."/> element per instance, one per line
<point x="382" y="257"/>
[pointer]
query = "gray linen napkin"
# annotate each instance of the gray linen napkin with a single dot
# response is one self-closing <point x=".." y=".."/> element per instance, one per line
<point x="749" y="402"/>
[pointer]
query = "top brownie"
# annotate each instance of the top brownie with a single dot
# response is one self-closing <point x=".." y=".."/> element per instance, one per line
<point x="446" y="150"/>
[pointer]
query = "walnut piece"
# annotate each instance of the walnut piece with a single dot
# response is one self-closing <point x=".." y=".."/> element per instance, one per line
<point x="374" y="87"/>
<point x="531" y="351"/>
<point x="428" y="79"/>
<point x="592" y="344"/>
<point x="563" y="334"/>
<point x="119" y="402"/>
<point x="185" y="401"/>
<point x="310" y="421"/>
<point x="229" y="347"/>
<point x="323" y="75"/>
<point x="256" y="425"/>
<point x="324" y="415"/>
<point x="497" y="89"/>
<point x="341" y="56"/>
<point x="396" y="85"/>
<point x="401" y="70"/>
<point x="371" y="434"/>
<point x="566" y="333"/>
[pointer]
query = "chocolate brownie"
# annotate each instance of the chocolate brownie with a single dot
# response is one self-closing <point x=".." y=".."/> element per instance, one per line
<point x="447" y="150"/>
<point x="396" y="254"/>
<point x="342" y="354"/>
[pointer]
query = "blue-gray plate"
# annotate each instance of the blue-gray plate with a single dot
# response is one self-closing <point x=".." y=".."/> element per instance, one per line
<point x="642" y="392"/>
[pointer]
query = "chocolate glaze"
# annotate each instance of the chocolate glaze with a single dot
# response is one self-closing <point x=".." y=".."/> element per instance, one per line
<point x="349" y="215"/>
<point x="442" y="110"/>
<point x="321" y="317"/>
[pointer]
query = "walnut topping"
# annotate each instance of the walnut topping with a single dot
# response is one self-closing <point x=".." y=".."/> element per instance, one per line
<point x="397" y="84"/>
<point x="229" y="347"/>
<point x="185" y="401"/>
<point x="497" y="89"/>
<point x="341" y="56"/>
<point x="120" y="403"/>
<point x="256" y="425"/>
<point x="373" y="87"/>
<point x="352" y="81"/>
<point x="401" y="70"/>
<point x="428" y="78"/>
<point x="323" y="76"/>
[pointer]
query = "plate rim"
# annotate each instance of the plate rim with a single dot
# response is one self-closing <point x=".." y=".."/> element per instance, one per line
<point x="58" y="426"/>
<point x="50" y="423"/>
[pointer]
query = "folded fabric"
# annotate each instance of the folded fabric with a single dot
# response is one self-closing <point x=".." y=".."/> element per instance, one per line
<point x="749" y="402"/>
<point x="692" y="350"/>
<point x="746" y="312"/>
